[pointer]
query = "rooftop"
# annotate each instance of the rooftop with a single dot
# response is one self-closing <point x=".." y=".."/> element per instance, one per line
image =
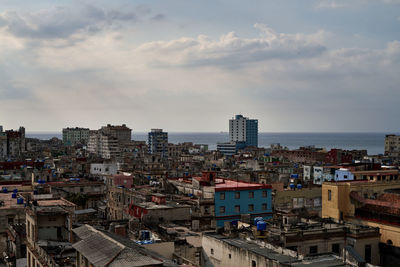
<point x="230" y="185"/>
<point x="317" y="261"/>
<point x="107" y="249"/>
<point x="8" y="202"/>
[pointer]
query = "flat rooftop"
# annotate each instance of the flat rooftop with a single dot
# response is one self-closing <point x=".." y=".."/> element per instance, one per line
<point x="227" y="185"/>
<point x="9" y="202"/>
<point x="54" y="202"/>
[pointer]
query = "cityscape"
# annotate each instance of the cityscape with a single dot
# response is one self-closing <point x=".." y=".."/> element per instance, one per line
<point x="99" y="198"/>
<point x="259" y="133"/>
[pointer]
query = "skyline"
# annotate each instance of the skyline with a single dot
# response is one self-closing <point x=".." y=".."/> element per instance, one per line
<point x="319" y="66"/>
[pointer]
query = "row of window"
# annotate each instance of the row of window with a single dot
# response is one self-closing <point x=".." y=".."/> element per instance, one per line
<point x="237" y="195"/>
<point x="250" y="207"/>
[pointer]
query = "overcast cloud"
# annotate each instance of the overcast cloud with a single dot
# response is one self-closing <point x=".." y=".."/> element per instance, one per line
<point x="147" y="66"/>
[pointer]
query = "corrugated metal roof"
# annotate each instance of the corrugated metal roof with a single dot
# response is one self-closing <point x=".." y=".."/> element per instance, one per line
<point x="130" y="257"/>
<point x="98" y="249"/>
<point x="107" y="249"/>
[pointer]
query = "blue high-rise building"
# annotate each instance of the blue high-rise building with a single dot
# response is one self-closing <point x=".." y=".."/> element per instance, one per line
<point x="252" y="132"/>
<point x="244" y="130"/>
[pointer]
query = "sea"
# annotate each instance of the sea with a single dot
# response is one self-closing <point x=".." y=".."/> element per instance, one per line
<point x="372" y="142"/>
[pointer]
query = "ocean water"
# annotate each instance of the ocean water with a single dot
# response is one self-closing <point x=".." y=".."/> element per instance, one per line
<point x="372" y="142"/>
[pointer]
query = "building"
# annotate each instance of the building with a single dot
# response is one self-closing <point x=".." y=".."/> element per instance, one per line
<point x="11" y="212"/>
<point x="109" y="141"/>
<point x="48" y="232"/>
<point x="74" y="136"/>
<point x="242" y="129"/>
<point x="100" y="248"/>
<point x="16" y="244"/>
<point x="219" y="250"/>
<point x="122" y="133"/>
<point x="84" y="193"/>
<point x="392" y="146"/>
<point x="103" y="169"/>
<point x="12" y="143"/>
<point x="308" y="197"/>
<point x="311" y="237"/>
<point x="234" y="198"/>
<point x="158" y="142"/>
<point x="3" y="145"/>
<point x="367" y="202"/>
<point x="229" y="148"/>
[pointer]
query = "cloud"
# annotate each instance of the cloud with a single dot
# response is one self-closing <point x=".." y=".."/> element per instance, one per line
<point x="64" y="22"/>
<point x="159" y="17"/>
<point x="330" y="4"/>
<point x="233" y="51"/>
<point x="278" y="77"/>
<point x="391" y="1"/>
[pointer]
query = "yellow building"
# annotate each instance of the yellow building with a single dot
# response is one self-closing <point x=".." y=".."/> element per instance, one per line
<point x="365" y="202"/>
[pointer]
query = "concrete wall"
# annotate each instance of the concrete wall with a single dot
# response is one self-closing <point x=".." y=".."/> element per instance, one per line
<point x="306" y="197"/>
<point x="220" y="254"/>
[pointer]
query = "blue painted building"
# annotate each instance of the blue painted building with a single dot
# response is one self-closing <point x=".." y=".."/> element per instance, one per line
<point x="243" y="130"/>
<point x="233" y="198"/>
<point x="251" y="132"/>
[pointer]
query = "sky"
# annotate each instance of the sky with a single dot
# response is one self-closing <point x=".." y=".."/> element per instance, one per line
<point x="189" y="65"/>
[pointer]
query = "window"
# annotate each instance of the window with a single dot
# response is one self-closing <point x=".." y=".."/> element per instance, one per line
<point x="222" y="196"/>
<point x="329" y="195"/>
<point x="10" y="220"/>
<point x="313" y="249"/>
<point x="265" y="193"/>
<point x="251" y="194"/>
<point x="206" y="210"/>
<point x="253" y="264"/>
<point x="230" y="256"/>
<point x="264" y="206"/>
<point x="237" y="195"/>
<point x="368" y="253"/>
<point x="251" y="207"/>
<point x="237" y="208"/>
<point x="212" y="251"/>
<point x="336" y="248"/>
<point x="222" y="209"/>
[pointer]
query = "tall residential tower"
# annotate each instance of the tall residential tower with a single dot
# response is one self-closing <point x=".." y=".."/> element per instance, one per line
<point x="158" y="142"/>
<point x="242" y="129"/>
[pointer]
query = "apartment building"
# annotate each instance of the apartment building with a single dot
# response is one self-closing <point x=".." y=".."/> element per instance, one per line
<point x="392" y="146"/>
<point x="158" y="142"/>
<point x="109" y="141"/>
<point x="74" y="136"/>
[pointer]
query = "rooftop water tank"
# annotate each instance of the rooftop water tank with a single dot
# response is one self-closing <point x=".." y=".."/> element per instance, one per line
<point x="257" y="219"/>
<point x="20" y="200"/>
<point x="261" y="226"/>
<point x="299" y="186"/>
<point x="14" y="195"/>
<point x="291" y="186"/>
